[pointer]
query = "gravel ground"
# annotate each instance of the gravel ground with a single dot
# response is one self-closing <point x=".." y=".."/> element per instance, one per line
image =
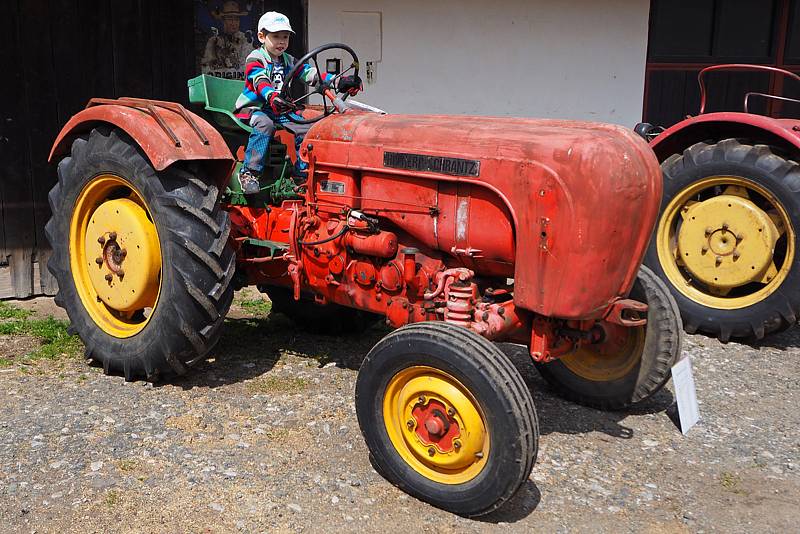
<point x="263" y="437"/>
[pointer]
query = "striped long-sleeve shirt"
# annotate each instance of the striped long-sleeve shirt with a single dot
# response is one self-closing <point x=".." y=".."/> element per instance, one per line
<point x="264" y="76"/>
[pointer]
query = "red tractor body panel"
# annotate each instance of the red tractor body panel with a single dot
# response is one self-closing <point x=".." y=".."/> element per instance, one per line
<point x="565" y="208"/>
<point x="165" y="131"/>
<point x="726" y="124"/>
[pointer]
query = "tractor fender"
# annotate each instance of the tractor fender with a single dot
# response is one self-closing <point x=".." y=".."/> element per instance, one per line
<point x="165" y="131"/>
<point x="783" y="133"/>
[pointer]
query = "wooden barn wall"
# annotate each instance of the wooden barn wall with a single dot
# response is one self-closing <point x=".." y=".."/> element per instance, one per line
<point x="54" y="56"/>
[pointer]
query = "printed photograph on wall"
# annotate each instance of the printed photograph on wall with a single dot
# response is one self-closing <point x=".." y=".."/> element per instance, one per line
<point x="225" y="32"/>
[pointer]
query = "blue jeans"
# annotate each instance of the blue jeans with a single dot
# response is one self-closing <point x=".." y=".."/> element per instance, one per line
<point x="264" y="126"/>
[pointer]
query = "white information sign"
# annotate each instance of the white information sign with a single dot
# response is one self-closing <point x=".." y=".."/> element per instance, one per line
<point x="683" y="379"/>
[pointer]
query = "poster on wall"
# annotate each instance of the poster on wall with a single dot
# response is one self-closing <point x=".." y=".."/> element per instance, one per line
<point x="225" y="33"/>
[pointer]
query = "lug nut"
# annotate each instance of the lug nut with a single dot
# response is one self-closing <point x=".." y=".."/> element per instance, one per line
<point x="101" y="240"/>
<point x="705" y="249"/>
<point x="719" y="259"/>
<point x="120" y="273"/>
<point x="725" y="226"/>
<point x="451" y="412"/>
<point x="431" y="451"/>
<point x="112" y="236"/>
<point x="99" y="260"/>
<point x="123" y="252"/>
<point x="456" y="444"/>
<point x="410" y="424"/>
<point x="421" y="399"/>
<point x="736" y="254"/>
<point x="739" y="236"/>
<point x="709" y="231"/>
<point x="108" y="277"/>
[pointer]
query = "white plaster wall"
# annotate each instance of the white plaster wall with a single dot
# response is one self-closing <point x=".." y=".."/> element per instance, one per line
<point x="572" y="59"/>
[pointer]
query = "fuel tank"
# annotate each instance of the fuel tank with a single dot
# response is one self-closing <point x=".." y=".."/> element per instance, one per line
<point x="565" y="208"/>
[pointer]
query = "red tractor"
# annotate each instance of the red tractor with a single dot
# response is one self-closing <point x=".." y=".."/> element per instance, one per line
<point x="459" y="231"/>
<point x="726" y="242"/>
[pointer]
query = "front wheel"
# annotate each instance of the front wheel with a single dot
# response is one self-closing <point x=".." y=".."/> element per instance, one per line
<point x="627" y="365"/>
<point x="141" y="257"/>
<point x="447" y="417"/>
<point x="726" y="241"/>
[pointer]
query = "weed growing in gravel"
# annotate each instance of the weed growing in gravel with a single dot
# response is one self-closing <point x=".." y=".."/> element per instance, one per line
<point x="277" y="384"/>
<point x="731" y="481"/>
<point x="50" y="332"/>
<point x="257" y="306"/>
<point x="112" y="498"/>
<point x="127" y="465"/>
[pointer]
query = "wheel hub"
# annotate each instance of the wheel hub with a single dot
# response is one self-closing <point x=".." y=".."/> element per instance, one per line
<point x="729" y="254"/>
<point x="126" y="268"/>
<point x="436" y="425"/>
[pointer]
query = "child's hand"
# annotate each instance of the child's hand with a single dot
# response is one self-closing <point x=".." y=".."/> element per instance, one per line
<point x="350" y="85"/>
<point x="279" y="105"/>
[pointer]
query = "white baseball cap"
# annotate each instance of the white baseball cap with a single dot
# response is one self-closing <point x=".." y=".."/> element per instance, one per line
<point x="272" y="21"/>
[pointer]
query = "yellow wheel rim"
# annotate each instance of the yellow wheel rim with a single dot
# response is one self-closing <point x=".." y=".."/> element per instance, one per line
<point x="613" y="358"/>
<point x="115" y="256"/>
<point x="725" y="242"/>
<point x="436" y="425"/>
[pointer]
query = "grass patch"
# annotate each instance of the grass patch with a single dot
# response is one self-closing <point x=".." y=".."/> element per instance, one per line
<point x="277" y="384"/>
<point x="112" y="498"/>
<point x="50" y="332"/>
<point x="127" y="465"/>
<point x="256" y="306"/>
<point x="731" y="482"/>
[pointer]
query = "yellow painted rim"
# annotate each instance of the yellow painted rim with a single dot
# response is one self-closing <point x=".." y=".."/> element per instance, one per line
<point x="415" y="396"/>
<point x="115" y="255"/>
<point x="612" y="359"/>
<point x="731" y="291"/>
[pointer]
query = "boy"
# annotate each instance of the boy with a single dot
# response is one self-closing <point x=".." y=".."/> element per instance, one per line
<point x="260" y="104"/>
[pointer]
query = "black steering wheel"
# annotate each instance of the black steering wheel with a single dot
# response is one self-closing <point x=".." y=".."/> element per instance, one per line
<point x="320" y="88"/>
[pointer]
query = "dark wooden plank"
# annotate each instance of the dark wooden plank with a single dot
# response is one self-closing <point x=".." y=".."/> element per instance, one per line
<point x="42" y="99"/>
<point x="744" y="29"/>
<point x="666" y="103"/>
<point x="680" y="29"/>
<point x="10" y="125"/>
<point x="18" y="217"/>
<point x="132" y="51"/>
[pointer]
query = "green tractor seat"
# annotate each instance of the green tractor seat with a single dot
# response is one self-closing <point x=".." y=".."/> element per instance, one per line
<point x="218" y="97"/>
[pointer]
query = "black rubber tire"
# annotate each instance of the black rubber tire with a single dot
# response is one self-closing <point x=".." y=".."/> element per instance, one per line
<point x="497" y="387"/>
<point x="327" y="320"/>
<point x="781" y="177"/>
<point x="197" y="260"/>
<point x="662" y="348"/>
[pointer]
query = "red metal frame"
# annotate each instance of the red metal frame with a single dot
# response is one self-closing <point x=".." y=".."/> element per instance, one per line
<point x="740" y="67"/>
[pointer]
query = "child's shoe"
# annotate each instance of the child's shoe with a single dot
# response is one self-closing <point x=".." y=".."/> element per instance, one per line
<point x="248" y="181"/>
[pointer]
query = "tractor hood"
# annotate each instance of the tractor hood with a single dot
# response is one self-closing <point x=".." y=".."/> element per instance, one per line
<point x="581" y="198"/>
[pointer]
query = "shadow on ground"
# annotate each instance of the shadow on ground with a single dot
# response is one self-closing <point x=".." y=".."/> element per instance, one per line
<point x="250" y="348"/>
<point x="783" y="341"/>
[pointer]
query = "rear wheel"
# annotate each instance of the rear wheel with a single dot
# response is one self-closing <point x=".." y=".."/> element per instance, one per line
<point x="726" y="242"/>
<point x="628" y="365"/>
<point x="141" y="257"/>
<point x="447" y="417"/>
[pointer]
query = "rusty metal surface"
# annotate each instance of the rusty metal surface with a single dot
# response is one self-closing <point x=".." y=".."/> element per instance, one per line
<point x="165" y="131"/>
<point x="565" y="208"/>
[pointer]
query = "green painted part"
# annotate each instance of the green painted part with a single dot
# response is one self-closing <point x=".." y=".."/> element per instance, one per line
<point x="274" y="247"/>
<point x="218" y="97"/>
